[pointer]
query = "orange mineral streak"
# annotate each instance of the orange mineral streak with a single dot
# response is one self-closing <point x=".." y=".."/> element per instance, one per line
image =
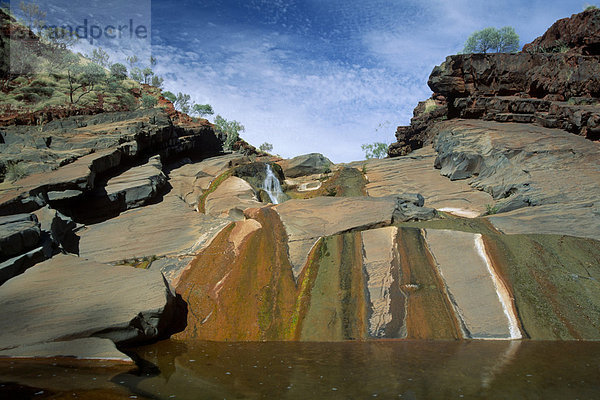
<point x="241" y="287"/>
<point x="429" y="312"/>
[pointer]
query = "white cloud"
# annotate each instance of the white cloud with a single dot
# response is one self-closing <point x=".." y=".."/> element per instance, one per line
<point x="300" y="100"/>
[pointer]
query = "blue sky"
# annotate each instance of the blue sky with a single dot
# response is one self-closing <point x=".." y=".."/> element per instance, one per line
<point x="320" y="75"/>
<point x="323" y="75"/>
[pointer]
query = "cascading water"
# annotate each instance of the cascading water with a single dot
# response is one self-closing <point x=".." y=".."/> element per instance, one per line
<point x="272" y="186"/>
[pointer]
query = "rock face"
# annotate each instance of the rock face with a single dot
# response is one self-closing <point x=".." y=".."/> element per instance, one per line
<point x="20" y="246"/>
<point x="138" y="185"/>
<point x="580" y="34"/>
<point x="307" y="164"/>
<point x="122" y="304"/>
<point x="18" y="233"/>
<point x="529" y="170"/>
<point x="554" y="82"/>
<point x="231" y="198"/>
<point x="306" y="221"/>
<point x="114" y="139"/>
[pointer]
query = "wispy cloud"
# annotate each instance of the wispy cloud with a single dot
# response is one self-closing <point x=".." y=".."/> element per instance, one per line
<point x="321" y="76"/>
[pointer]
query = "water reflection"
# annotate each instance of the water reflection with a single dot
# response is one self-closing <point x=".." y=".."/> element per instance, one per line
<point x="385" y="369"/>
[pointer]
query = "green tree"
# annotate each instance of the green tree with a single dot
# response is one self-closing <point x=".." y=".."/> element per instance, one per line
<point x="504" y="40"/>
<point x="132" y="60"/>
<point x="118" y="71"/>
<point x="182" y="102"/>
<point x="149" y="101"/>
<point x="157" y="81"/>
<point x="136" y="74"/>
<point x="590" y="7"/>
<point x="147" y="73"/>
<point x="203" y="110"/>
<point x="82" y="77"/>
<point x="231" y="129"/>
<point x="170" y="96"/>
<point x="33" y="17"/>
<point x="266" y="147"/>
<point x="375" y="150"/>
<point x="100" y="57"/>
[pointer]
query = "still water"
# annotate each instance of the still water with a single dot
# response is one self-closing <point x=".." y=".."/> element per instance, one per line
<point x="348" y="370"/>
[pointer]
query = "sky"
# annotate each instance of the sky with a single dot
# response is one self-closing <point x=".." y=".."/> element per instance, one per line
<point x="320" y="76"/>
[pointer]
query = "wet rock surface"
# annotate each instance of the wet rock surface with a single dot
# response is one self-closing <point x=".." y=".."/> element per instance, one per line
<point x="306" y="221"/>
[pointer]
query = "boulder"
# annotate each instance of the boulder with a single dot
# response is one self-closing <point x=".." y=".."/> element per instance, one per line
<point x="137" y="186"/>
<point x="191" y="179"/>
<point x="231" y="198"/>
<point x="68" y="298"/>
<point x="307" y="164"/>
<point x="18" y="233"/>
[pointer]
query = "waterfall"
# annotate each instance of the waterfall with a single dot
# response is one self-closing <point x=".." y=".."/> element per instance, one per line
<point x="272" y="186"/>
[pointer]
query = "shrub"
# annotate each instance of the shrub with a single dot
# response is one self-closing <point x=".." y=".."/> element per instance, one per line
<point x="490" y="209"/>
<point x="266" y="147"/>
<point x="430" y="105"/>
<point x="149" y="101"/>
<point x="118" y="71"/>
<point x="21" y="80"/>
<point x="14" y="171"/>
<point x="129" y="101"/>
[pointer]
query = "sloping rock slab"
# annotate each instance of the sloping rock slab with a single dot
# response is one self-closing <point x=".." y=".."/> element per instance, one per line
<point x="18" y="264"/>
<point x="190" y="180"/>
<point x="170" y="229"/>
<point x="18" y="233"/>
<point x="378" y="254"/>
<point x="68" y="298"/>
<point x="308" y="220"/>
<point x="231" y="198"/>
<point x="415" y="174"/>
<point x="472" y="288"/>
<point x="528" y="168"/>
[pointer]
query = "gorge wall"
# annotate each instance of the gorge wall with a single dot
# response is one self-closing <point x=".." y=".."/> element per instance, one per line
<point x="554" y="82"/>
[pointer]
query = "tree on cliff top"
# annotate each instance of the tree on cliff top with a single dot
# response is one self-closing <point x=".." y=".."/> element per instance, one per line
<point x="375" y="150"/>
<point x="504" y="40"/>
